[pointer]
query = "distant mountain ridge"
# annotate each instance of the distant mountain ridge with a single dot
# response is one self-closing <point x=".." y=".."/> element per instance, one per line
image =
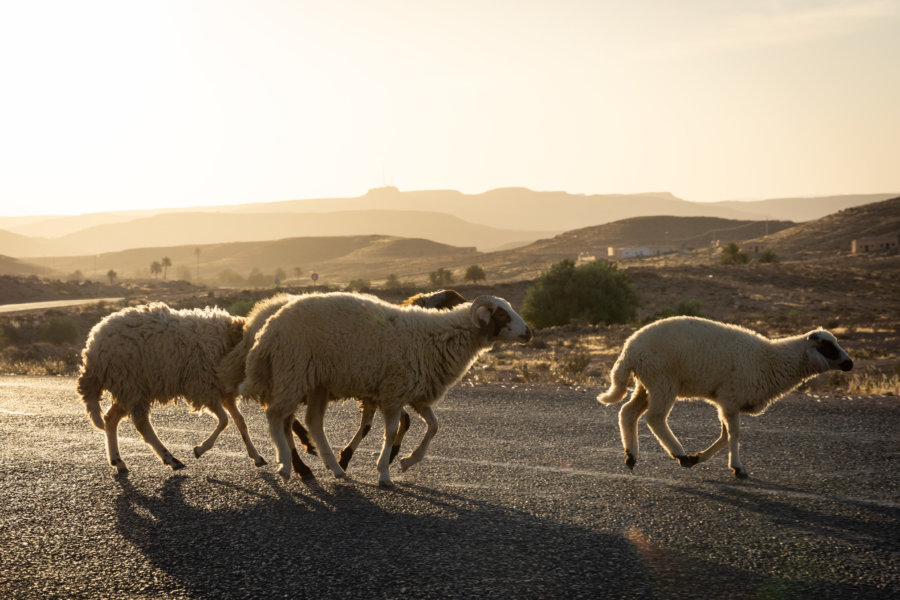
<point x="495" y="219"/>
<point x="341" y="258"/>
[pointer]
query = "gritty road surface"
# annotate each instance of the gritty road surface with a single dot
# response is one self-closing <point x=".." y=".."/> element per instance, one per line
<point x="524" y="495"/>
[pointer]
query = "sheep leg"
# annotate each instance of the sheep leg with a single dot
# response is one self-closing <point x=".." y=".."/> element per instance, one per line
<point x="219" y="412"/>
<point x="315" y="423"/>
<point x="401" y="432"/>
<point x="275" y="415"/>
<point x="628" y="421"/>
<point x="111" y="427"/>
<point x="299" y="466"/>
<point x="391" y="418"/>
<point x="431" y="429"/>
<point x="714" y="449"/>
<point x="657" y="415"/>
<point x="141" y="420"/>
<point x="303" y="436"/>
<point x="241" y="424"/>
<point x="732" y="424"/>
<point x="365" y="425"/>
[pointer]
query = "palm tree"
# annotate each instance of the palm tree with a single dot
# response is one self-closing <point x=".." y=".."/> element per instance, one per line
<point x="112" y="276"/>
<point x="166" y="263"/>
<point x="197" y="252"/>
<point x="155" y="268"/>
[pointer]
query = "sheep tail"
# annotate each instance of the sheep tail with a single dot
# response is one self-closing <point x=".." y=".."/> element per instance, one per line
<point x="619" y="378"/>
<point x="231" y="369"/>
<point x="258" y="374"/>
<point x="91" y="388"/>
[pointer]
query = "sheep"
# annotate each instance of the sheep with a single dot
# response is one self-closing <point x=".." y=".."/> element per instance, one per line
<point x="151" y="353"/>
<point x="442" y="299"/>
<point x="737" y="370"/>
<point x="231" y="371"/>
<point x="342" y="345"/>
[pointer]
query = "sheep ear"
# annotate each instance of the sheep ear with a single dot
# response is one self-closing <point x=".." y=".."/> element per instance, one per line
<point x="481" y="311"/>
<point x="816" y="360"/>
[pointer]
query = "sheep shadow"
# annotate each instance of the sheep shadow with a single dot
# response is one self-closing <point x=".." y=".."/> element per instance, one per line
<point x="871" y="524"/>
<point x="353" y="540"/>
<point x="339" y="542"/>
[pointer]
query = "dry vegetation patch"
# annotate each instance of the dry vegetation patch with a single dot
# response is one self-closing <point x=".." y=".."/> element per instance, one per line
<point x="858" y="299"/>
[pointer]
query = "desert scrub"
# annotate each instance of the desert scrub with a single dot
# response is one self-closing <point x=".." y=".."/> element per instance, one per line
<point x="40" y="359"/>
<point x="59" y="329"/>
<point x="570" y="368"/>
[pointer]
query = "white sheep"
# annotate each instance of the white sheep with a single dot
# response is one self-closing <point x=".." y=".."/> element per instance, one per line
<point x="153" y="354"/>
<point x="343" y="345"/>
<point x="231" y="371"/>
<point x="737" y="370"/>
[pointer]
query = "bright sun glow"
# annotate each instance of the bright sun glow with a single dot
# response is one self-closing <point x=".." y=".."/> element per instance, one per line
<point x="115" y="105"/>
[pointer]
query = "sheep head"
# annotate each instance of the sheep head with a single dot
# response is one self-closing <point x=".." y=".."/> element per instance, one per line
<point x="496" y="320"/>
<point x="825" y="354"/>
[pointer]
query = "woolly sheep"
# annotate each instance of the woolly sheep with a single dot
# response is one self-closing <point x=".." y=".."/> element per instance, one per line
<point x="733" y="368"/>
<point x="231" y="372"/>
<point x="153" y="354"/>
<point x="343" y="345"/>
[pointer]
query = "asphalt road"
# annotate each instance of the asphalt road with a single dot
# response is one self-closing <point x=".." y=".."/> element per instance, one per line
<point x="523" y="495"/>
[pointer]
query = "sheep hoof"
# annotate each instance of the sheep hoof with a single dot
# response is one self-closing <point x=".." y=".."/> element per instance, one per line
<point x="344" y="457"/>
<point x="285" y="474"/>
<point x="687" y="461"/>
<point x="629" y="460"/>
<point x="740" y="473"/>
<point x="176" y="465"/>
<point x="405" y="464"/>
<point x="386" y="485"/>
<point x="260" y="461"/>
<point x="197" y="452"/>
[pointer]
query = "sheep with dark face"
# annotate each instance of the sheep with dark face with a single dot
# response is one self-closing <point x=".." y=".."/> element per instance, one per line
<point x="152" y="354"/>
<point x="737" y="370"/>
<point x="344" y="345"/>
<point x="232" y="371"/>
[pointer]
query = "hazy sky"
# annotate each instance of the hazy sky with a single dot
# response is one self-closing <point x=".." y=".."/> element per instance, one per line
<point x="121" y="104"/>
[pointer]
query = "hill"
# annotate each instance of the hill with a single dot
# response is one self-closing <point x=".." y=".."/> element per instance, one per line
<point x="804" y="209"/>
<point x="14" y="266"/>
<point x="493" y="220"/>
<point x="194" y="228"/>
<point x="835" y="233"/>
<point x="339" y="259"/>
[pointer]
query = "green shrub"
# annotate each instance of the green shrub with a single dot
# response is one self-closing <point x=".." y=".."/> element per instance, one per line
<point x="768" y="256"/>
<point x="59" y="330"/>
<point x="241" y="308"/>
<point x="594" y="292"/>
<point x="732" y="255"/>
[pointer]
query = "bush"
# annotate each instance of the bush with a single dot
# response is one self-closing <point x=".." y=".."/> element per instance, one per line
<point x="440" y="278"/>
<point x="768" y="256"/>
<point x="359" y="285"/>
<point x="732" y="255"/>
<point x="59" y="330"/>
<point x="241" y="308"/>
<point x="594" y="292"/>
<point x="475" y="274"/>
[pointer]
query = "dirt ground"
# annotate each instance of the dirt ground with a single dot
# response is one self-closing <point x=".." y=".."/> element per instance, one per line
<point x="857" y="298"/>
